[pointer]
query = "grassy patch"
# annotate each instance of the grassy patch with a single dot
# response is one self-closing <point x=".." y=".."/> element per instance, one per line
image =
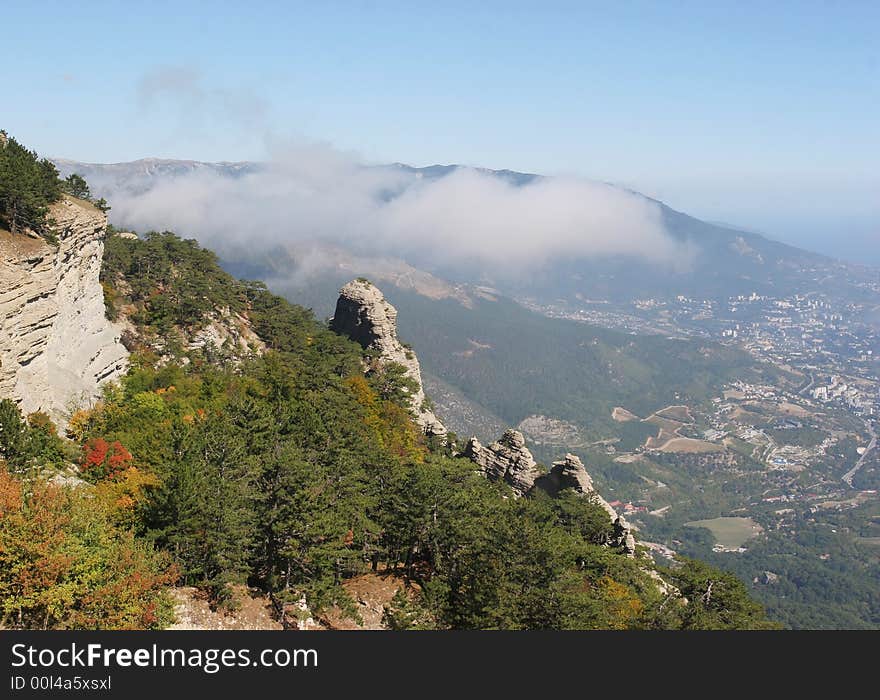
<point x="730" y="532"/>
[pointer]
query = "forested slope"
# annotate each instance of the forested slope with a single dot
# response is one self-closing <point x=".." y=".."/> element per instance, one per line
<point x="272" y="460"/>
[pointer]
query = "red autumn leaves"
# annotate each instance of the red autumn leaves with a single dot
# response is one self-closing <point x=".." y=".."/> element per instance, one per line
<point x="102" y="459"/>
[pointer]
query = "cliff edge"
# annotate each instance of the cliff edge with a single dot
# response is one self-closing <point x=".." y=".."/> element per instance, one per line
<point x="56" y="345"/>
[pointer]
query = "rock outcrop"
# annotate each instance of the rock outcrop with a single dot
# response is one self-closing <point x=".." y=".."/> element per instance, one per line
<point x="507" y="460"/>
<point x="56" y="345"/>
<point x="363" y="314"/>
<point x="570" y="473"/>
<point x="226" y="329"/>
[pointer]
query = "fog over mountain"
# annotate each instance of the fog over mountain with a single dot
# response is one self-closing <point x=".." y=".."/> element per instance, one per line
<point x="313" y="213"/>
<point x="315" y="193"/>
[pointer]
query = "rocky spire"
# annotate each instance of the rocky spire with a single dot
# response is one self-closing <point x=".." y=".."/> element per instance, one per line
<point x="507" y="460"/>
<point x="363" y="314"/>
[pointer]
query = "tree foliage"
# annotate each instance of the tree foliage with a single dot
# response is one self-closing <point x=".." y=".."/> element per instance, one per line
<point x="63" y="564"/>
<point x="170" y="281"/>
<point x="31" y="440"/>
<point x="28" y="185"/>
<point x="716" y="599"/>
<point x="76" y="185"/>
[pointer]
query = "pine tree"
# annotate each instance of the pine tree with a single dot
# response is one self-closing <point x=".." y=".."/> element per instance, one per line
<point x="27" y="186"/>
<point x="13" y="432"/>
<point x="716" y="599"/>
<point x="76" y="185"/>
<point x="212" y="504"/>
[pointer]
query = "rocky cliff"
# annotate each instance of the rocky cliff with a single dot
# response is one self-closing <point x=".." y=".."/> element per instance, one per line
<point x="363" y="314"/>
<point x="56" y="345"/>
<point x="225" y="329"/>
<point x="507" y="460"/>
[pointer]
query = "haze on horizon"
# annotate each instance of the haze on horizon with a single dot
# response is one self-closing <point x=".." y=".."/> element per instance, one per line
<point x="759" y="116"/>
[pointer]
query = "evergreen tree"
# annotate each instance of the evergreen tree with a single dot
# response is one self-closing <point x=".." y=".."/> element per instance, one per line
<point x="13" y="432"/>
<point x="392" y="383"/>
<point x="716" y="599"/>
<point x="212" y="504"/>
<point x="76" y="185"/>
<point x="28" y="185"/>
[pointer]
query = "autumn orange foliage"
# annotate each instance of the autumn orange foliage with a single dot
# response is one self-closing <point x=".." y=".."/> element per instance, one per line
<point x="104" y="460"/>
<point x="63" y="564"/>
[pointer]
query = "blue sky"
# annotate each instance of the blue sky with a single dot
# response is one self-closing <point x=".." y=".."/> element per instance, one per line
<point x="761" y="114"/>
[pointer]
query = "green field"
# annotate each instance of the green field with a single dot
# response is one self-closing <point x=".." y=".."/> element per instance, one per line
<point x="730" y="532"/>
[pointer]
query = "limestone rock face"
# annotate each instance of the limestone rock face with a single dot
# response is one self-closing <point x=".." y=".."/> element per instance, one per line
<point x="571" y="473"/>
<point x="56" y="345"/>
<point x="507" y="460"/>
<point x="228" y="329"/>
<point x="363" y="314"/>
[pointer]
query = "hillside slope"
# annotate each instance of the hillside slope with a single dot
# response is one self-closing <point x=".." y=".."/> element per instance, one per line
<point x="289" y="470"/>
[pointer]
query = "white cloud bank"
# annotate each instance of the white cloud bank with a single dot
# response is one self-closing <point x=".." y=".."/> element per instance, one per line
<point x="317" y="194"/>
